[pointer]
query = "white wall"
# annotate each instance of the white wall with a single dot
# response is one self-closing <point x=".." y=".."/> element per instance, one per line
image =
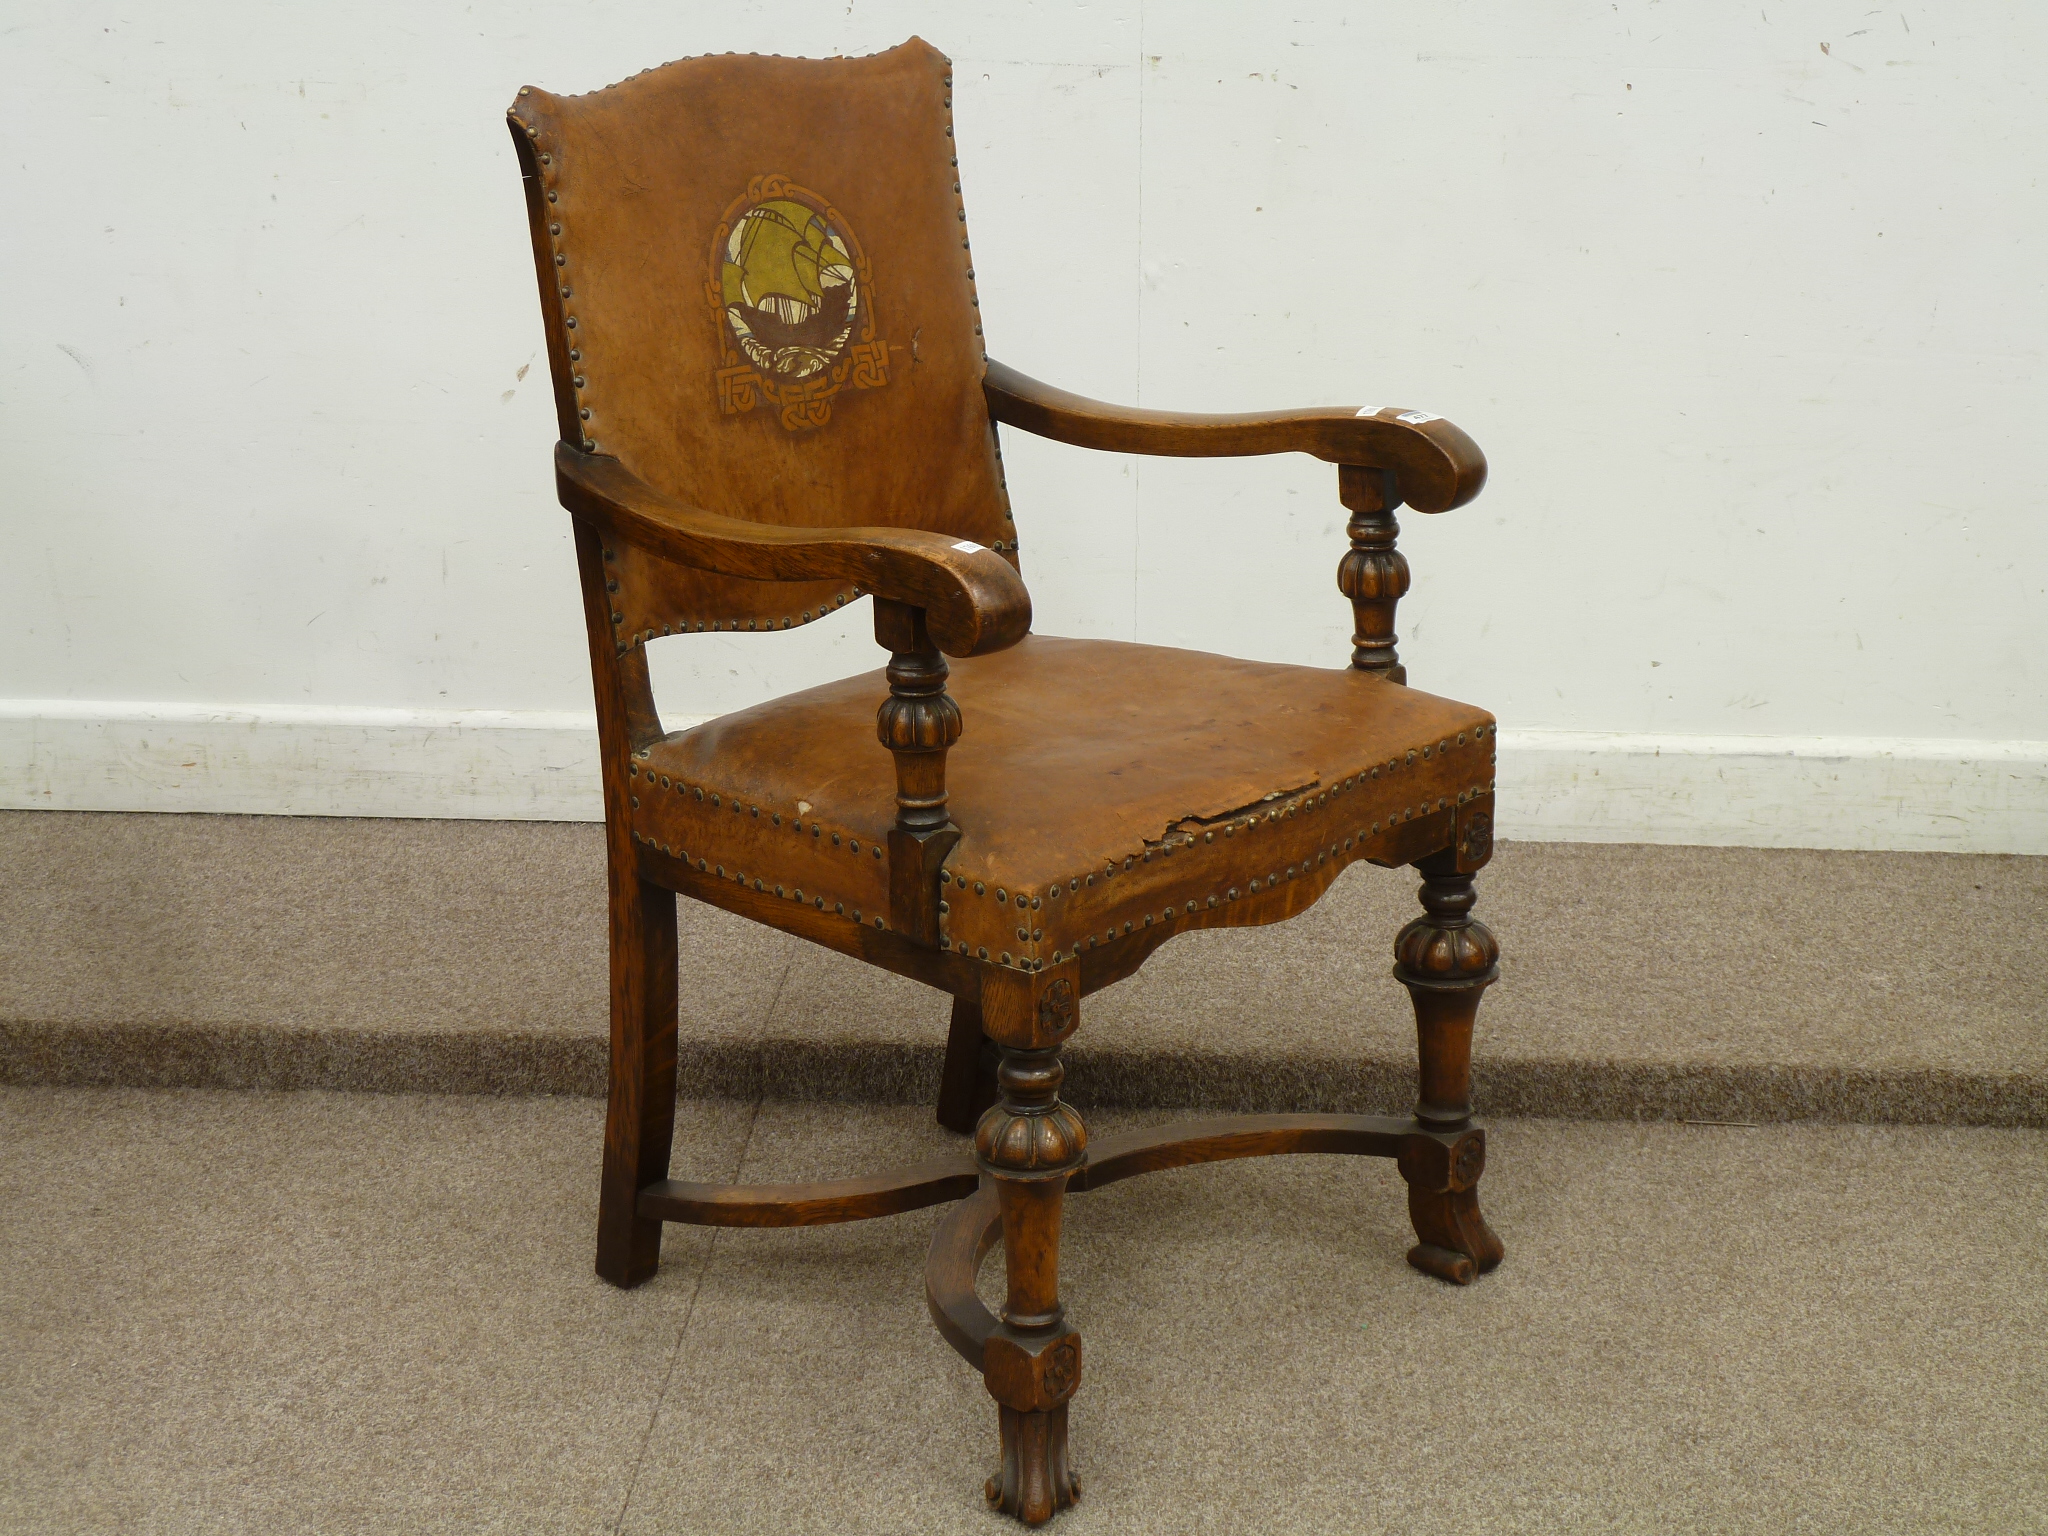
<point x="1745" y="304"/>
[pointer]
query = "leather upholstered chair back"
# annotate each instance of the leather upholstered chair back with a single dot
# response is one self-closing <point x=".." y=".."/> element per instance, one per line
<point x="761" y="301"/>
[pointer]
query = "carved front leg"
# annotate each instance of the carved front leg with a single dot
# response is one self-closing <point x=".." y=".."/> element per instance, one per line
<point x="1446" y="960"/>
<point x="1029" y="1142"/>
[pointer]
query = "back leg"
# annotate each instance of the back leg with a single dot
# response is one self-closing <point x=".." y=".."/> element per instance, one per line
<point x="968" y="1084"/>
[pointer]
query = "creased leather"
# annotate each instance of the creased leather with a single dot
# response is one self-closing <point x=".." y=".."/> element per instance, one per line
<point x="641" y="175"/>
<point x="1096" y="785"/>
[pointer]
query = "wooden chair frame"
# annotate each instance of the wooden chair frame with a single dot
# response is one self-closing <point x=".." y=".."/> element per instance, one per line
<point x="1003" y="1073"/>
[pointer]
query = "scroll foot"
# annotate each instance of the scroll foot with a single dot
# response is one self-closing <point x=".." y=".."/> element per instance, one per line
<point x="1037" y="1478"/>
<point x="1443" y="1201"/>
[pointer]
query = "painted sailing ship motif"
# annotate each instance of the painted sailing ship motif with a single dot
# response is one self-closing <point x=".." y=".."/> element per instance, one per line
<point x="791" y="287"/>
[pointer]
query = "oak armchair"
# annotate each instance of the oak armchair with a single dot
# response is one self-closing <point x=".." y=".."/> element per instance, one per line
<point x="774" y="400"/>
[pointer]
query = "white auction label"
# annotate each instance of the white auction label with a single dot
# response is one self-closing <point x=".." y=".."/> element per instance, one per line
<point x="1417" y="418"/>
<point x="969" y="547"/>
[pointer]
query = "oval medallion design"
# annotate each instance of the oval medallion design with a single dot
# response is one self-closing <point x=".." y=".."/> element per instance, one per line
<point x="792" y="289"/>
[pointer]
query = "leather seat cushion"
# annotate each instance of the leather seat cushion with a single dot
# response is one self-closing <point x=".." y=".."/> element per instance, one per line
<point x="1097" y="784"/>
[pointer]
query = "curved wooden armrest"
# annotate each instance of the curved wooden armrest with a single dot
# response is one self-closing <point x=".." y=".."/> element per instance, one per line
<point x="974" y="600"/>
<point x="1436" y="465"/>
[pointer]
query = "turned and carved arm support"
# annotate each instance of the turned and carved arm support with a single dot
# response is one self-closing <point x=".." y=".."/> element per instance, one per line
<point x="918" y="723"/>
<point x="973" y="599"/>
<point x="1385" y="455"/>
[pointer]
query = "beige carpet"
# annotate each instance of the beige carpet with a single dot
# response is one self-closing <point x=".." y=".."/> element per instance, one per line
<point x="332" y="1313"/>
<point x="1713" y="983"/>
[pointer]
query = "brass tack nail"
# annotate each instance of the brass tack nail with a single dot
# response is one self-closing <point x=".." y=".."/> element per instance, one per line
<point x="839" y="907"/>
<point x="575" y="356"/>
<point x="1001" y="894"/>
<point x="876" y="850"/>
<point x="546" y="158"/>
<point x="531" y="131"/>
<point x="1006" y="957"/>
<point x="835" y="839"/>
<point x="855" y="844"/>
<point x="578" y="381"/>
<point x="584" y="413"/>
<point x="776" y="818"/>
<point x="980" y="954"/>
<point x="526" y="90"/>
<point x="570" y="322"/>
<point x="561" y="260"/>
<point x="636" y="802"/>
<point x="944" y="909"/>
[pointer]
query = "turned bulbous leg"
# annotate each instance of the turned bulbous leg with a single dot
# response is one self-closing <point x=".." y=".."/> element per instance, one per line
<point x="1447" y="960"/>
<point x="1029" y="1142"/>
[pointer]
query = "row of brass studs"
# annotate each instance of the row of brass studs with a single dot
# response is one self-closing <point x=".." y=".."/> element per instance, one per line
<point x="1031" y="934"/>
<point x="1166" y="846"/>
<point x="700" y="626"/>
<point x="551" y="179"/>
<point x="652" y="779"/>
<point x="1169" y="913"/>
<point x="974" y="298"/>
<point x="739" y="876"/>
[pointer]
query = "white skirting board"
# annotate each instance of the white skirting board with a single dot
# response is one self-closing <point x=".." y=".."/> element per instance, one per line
<point x="1936" y="794"/>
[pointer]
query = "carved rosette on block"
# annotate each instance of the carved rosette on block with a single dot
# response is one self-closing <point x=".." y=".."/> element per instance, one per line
<point x="1446" y="959"/>
<point x="1029" y="1142"/>
<point x="1373" y="573"/>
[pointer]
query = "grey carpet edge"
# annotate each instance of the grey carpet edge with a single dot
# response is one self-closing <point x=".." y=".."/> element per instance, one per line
<point x="504" y="1062"/>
